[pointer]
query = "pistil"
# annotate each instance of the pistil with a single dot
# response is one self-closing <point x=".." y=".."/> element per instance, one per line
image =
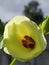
<point x="28" y="42"/>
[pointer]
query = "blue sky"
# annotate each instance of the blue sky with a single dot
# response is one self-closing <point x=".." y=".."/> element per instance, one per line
<point x="11" y="8"/>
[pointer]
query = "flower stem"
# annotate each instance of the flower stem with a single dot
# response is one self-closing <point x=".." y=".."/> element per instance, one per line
<point x="14" y="62"/>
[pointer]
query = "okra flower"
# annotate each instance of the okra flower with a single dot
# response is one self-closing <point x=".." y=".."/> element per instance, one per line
<point x="23" y="39"/>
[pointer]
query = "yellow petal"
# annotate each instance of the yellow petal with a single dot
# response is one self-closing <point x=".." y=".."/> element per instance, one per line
<point x="14" y="32"/>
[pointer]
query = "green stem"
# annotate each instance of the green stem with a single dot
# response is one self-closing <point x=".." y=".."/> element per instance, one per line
<point x="14" y="62"/>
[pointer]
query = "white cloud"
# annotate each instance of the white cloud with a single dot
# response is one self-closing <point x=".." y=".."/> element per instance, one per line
<point x="11" y="8"/>
<point x="44" y="5"/>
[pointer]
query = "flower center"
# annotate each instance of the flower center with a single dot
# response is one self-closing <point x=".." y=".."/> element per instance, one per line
<point x="28" y="42"/>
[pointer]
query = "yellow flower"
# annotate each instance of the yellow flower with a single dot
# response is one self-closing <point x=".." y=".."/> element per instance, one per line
<point x="23" y="39"/>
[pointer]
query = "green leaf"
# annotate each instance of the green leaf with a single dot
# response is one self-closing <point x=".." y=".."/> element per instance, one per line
<point x="1" y="27"/>
<point x="1" y="42"/>
<point x="14" y="62"/>
<point x="1" y="33"/>
<point x="45" y="26"/>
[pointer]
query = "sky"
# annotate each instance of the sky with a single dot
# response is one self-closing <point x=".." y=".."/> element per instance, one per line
<point x="11" y="8"/>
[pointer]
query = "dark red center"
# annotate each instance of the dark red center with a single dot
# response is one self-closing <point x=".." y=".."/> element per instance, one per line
<point x="28" y="42"/>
